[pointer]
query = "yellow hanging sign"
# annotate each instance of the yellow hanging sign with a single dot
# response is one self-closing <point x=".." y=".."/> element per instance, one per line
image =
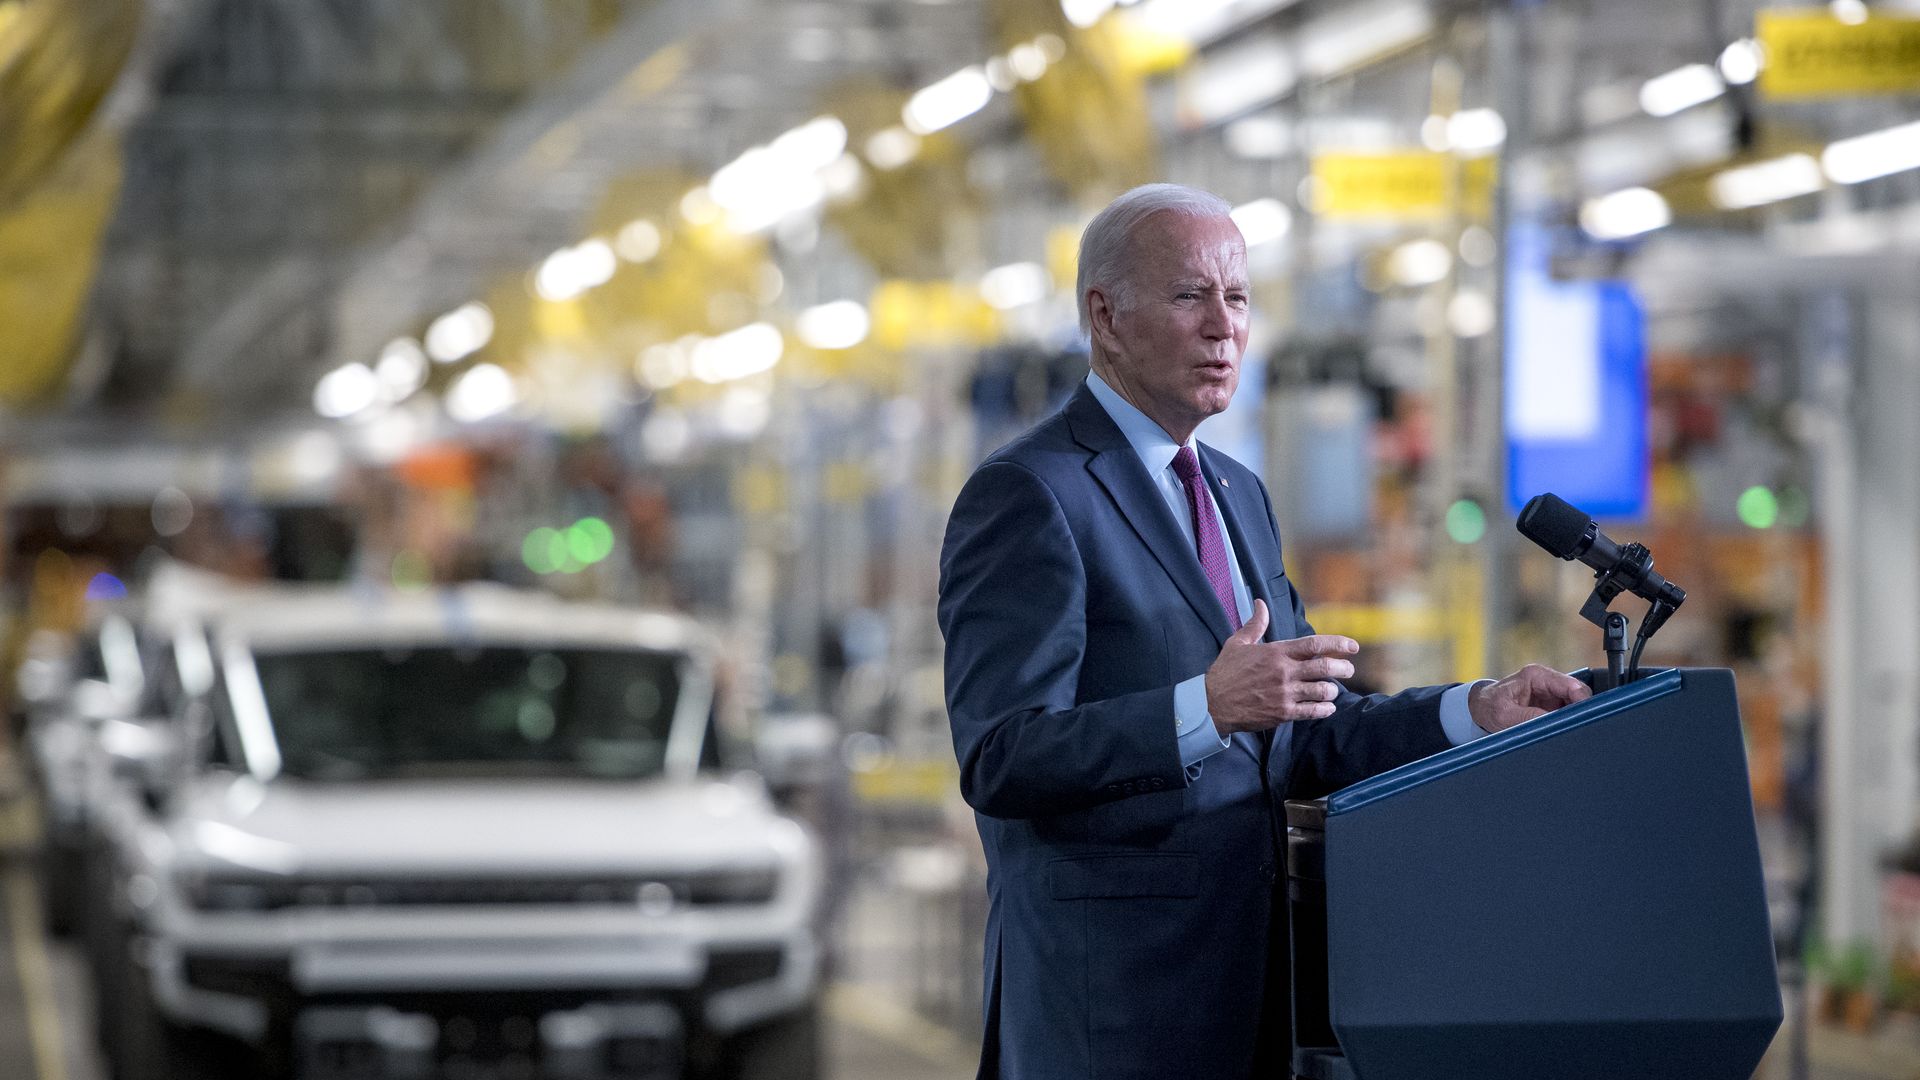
<point x="1810" y="53"/>
<point x="1400" y="185"/>
<point x="930" y="313"/>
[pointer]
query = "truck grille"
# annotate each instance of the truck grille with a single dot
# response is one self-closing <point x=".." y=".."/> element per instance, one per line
<point x="657" y="895"/>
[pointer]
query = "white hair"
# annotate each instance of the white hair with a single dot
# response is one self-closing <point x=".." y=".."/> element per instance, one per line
<point x="1103" y="247"/>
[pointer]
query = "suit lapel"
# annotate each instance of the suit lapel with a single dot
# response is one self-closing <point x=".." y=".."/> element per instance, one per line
<point x="1117" y="468"/>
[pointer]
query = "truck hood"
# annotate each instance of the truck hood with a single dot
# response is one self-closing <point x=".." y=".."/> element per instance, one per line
<point x="482" y="827"/>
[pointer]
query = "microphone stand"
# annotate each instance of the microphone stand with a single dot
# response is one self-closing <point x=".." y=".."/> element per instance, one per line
<point x="1613" y="638"/>
<point x="1635" y="562"/>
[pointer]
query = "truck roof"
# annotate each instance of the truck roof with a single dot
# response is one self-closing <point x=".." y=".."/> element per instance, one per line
<point x="353" y="616"/>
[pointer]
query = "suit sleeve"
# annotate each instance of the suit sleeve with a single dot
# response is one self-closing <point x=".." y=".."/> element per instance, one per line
<point x="1013" y="612"/>
<point x="1367" y="734"/>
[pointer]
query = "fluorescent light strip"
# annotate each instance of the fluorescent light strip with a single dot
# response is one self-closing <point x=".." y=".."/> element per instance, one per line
<point x="1625" y="213"/>
<point x="1681" y="88"/>
<point x="1765" y="182"/>
<point x="948" y="101"/>
<point x="1870" y="156"/>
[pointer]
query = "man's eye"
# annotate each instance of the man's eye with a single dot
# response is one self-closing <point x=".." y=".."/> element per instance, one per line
<point x="1239" y="299"/>
<point x="1186" y="296"/>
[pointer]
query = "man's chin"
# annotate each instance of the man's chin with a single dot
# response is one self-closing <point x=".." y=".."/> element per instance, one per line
<point x="1215" y="400"/>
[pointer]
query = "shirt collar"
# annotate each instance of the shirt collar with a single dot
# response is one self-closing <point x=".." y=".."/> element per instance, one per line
<point x="1149" y="440"/>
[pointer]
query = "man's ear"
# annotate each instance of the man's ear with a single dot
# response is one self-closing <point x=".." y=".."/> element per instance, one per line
<point x="1100" y="316"/>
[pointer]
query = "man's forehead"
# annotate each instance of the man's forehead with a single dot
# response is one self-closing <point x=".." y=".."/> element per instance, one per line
<point x="1181" y="245"/>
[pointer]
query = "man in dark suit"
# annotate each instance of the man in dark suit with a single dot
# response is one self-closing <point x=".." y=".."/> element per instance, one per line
<point x="1134" y="688"/>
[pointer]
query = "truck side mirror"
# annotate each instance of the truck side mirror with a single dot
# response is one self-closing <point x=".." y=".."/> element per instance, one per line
<point x="147" y="756"/>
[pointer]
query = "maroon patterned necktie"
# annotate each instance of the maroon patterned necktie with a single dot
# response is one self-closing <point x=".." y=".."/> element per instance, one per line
<point x="1206" y="533"/>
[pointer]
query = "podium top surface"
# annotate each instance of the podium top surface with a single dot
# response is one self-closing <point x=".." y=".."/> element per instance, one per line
<point x="1594" y="709"/>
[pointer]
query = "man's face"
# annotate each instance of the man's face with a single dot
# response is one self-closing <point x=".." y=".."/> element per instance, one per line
<point x="1174" y="351"/>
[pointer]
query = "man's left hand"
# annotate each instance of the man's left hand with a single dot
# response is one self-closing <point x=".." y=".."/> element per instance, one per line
<point x="1523" y="695"/>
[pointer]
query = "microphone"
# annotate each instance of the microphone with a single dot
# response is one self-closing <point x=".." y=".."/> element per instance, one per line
<point x="1566" y="532"/>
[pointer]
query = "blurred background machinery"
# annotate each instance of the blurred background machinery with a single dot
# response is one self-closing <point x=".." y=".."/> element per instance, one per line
<point x="711" y="306"/>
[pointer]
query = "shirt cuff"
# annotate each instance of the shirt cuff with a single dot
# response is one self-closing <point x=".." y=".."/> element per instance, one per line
<point x="1199" y="739"/>
<point x="1455" y="718"/>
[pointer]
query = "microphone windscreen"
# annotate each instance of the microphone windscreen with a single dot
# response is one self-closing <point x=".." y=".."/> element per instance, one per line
<point x="1554" y="524"/>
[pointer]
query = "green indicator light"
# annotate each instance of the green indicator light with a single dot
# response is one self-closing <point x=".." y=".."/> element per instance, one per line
<point x="598" y="537"/>
<point x="580" y="545"/>
<point x="1466" y="522"/>
<point x="539" y="550"/>
<point x="1795" y="508"/>
<point x="1757" y="508"/>
<point x="411" y="572"/>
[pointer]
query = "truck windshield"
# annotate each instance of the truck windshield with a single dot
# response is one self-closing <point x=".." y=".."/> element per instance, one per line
<point x="445" y="711"/>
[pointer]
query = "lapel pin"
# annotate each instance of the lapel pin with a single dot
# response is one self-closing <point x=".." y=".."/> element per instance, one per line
<point x="1223" y="482"/>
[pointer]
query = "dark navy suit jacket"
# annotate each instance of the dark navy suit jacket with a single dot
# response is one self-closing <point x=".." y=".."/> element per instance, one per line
<point x="1134" y="915"/>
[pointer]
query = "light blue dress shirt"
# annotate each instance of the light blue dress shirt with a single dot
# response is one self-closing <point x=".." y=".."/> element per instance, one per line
<point x="1193" y="723"/>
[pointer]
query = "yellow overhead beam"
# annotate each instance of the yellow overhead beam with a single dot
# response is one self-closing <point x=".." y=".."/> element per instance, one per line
<point x="48" y="246"/>
<point x="58" y="59"/>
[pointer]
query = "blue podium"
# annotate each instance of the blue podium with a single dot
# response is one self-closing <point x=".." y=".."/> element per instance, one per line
<point x="1577" y="897"/>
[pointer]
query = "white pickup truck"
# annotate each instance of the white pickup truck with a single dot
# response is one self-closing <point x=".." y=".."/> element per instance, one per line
<point x="467" y="833"/>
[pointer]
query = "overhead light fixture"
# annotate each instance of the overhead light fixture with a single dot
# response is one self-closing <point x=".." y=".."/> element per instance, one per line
<point x="1877" y="154"/>
<point x="1625" y="213"/>
<point x="1014" y="285"/>
<point x="839" y="324"/>
<point x="1027" y="61"/>
<point x="948" y="101"/>
<point x="890" y="148"/>
<point x="569" y="272"/>
<point x="813" y="145"/>
<point x="465" y="330"/>
<point x="1420" y="262"/>
<point x="699" y="209"/>
<point x="1198" y="21"/>
<point x="1851" y="12"/>
<point x="1263" y="137"/>
<point x="844" y="180"/>
<point x="737" y="354"/>
<point x="637" y="241"/>
<point x="1681" y="88"/>
<point x="1237" y="77"/>
<point x="1262" y="221"/>
<point x="1740" y="62"/>
<point x="767" y="184"/>
<point x="1476" y="131"/>
<point x="662" y="365"/>
<point x="484" y="391"/>
<point x="1000" y="74"/>
<point x="743" y="411"/>
<point x="402" y="369"/>
<point x="1470" y="314"/>
<point x="346" y="390"/>
<point x="1766" y="182"/>
<point x="1084" y="13"/>
<point x="1350" y="36"/>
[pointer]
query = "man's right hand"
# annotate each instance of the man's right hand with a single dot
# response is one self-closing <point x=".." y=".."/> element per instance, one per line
<point x="1254" y="685"/>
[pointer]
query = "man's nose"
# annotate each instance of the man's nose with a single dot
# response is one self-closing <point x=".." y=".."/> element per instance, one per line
<point x="1218" y="324"/>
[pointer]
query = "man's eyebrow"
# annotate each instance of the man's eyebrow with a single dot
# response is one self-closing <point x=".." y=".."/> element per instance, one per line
<point x="1205" y="284"/>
